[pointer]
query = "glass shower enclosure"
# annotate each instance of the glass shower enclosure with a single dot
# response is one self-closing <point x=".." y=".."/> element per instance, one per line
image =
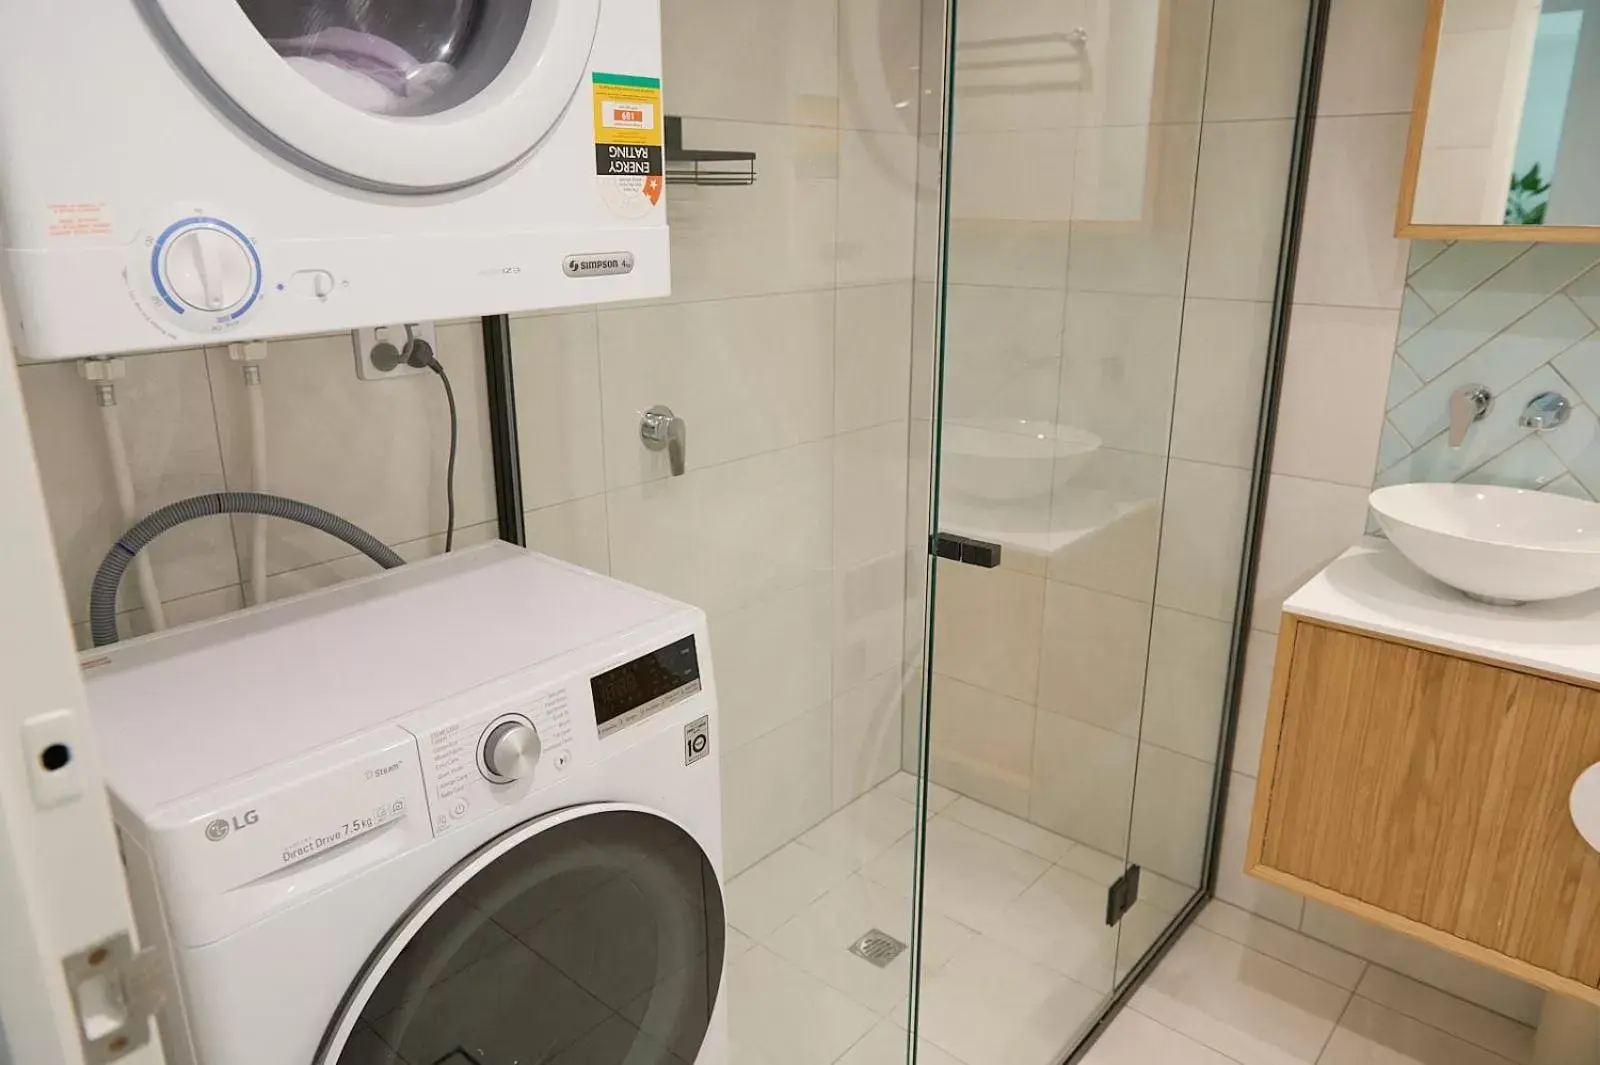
<point x="1101" y="311"/>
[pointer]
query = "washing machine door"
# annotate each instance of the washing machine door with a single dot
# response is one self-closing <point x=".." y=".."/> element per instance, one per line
<point x="392" y="95"/>
<point x="593" y="936"/>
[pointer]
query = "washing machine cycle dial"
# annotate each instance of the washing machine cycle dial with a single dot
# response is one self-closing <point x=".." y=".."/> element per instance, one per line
<point x="511" y="750"/>
<point x="208" y="269"/>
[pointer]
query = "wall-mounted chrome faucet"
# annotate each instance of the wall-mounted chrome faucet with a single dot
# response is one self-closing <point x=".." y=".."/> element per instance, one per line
<point x="660" y="429"/>
<point x="1546" y="411"/>
<point x="1468" y="404"/>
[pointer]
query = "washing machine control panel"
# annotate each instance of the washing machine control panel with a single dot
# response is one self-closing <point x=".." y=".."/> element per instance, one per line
<point x="477" y="760"/>
<point x="200" y="273"/>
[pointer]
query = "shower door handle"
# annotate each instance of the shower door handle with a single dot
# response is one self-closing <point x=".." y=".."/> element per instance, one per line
<point x="966" y="550"/>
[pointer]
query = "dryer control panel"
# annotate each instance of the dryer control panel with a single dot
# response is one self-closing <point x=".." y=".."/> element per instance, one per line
<point x="197" y="273"/>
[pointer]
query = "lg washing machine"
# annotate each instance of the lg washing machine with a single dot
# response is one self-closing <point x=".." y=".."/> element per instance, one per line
<point x="179" y="172"/>
<point x="466" y="812"/>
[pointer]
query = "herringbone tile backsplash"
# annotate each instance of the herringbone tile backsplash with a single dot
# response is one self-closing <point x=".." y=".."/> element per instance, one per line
<point x="1519" y="319"/>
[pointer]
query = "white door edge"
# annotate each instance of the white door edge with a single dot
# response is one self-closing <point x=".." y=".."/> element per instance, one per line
<point x="61" y="882"/>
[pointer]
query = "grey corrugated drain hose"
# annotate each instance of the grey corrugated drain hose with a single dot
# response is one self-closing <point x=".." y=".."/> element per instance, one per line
<point x="103" y="593"/>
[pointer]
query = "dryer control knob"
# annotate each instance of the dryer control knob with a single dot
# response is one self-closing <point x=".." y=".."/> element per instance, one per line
<point x="207" y="268"/>
<point x="511" y="750"/>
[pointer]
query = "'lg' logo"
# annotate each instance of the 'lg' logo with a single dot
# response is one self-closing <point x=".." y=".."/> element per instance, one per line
<point x="218" y="830"/>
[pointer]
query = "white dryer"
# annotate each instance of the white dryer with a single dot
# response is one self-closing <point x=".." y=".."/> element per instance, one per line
<point x="176" y="171"/>
<point x="463" y="813"/>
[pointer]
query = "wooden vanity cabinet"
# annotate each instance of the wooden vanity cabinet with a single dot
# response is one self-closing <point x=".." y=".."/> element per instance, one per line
<point x="1428" y="792"/>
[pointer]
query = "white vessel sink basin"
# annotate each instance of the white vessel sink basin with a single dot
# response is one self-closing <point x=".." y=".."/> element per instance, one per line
<point x="1504" y="545"/>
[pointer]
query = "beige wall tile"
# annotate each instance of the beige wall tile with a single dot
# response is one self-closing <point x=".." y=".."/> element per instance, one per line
<point x="1202" y="539"/>
<point x="776" y="235"/>
<point x="1233" y="885"/>
<point x="872" y="356"/>
<point x="1119" y="362"/>
<point x="1187" y="683"/>
<point x="1373" y="49"/>
<point x="374" y="452"/>
<point x="866" y="736"/>
<point x="1152" y="256"/>
<point x="350" y="566"/>
<point x="1260" y="655"/>
<point x="557" y="357"/>
<point x="877" y="206"/>
<point x="1239" y="207"/>
<point x="1336" y="377"/>
<point x="1082" y="782"/>
<point x="775" y="788"/>
<point x="980" y="743"/>
<point x="1171" y="810"/>
<point x="1349" y="255"/>
<point x="766" y="61"/>
<point x="1092" y="663"/>
<point x="870" y="603"/>
<point x="746" y="376"/>
<point x="880" y="64"/>
<point x="184" y="611"/>
<point x="988" y="628"/>
<point x="171" y="437"/>
<point x="1002" y="356"/>
<point x="1108" y="516"/>
<point x="869" y="494"/>
<point x="574" y="531"/>
<point x="1307" y="525"/>
<point x="1221" y="373"/>
<point x="773" y="661"/>
<point x="1257" y="47"/>
<point x="730" y="535"/>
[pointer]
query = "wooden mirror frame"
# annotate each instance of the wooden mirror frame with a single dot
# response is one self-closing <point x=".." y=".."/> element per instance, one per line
<point x="1404" y="226"/>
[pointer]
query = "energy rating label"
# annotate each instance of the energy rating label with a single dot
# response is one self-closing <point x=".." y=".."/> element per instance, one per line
<point x="628" y="152"/>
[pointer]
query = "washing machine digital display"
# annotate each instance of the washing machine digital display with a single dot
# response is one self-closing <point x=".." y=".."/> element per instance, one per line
<point x="634" y="690"/>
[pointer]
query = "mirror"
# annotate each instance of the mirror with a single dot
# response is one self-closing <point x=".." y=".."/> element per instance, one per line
<point x="1505" y="135"/>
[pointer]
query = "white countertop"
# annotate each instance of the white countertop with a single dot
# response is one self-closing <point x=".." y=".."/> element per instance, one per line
<point x="1372" y="587"/>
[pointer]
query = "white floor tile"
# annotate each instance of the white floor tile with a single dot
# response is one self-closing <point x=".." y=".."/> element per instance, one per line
<point x="1008" y="829"/>
<point x="991" y="1006"/>
<point x="790" y="1016"/>
<point x="903" y="786"/>
<point x="1255" y="1009"/>
<point x="1370" y="1034"/>
<point x="779" y="886"/>
<point x="1094" y="865"/>
<point x="1061" y="922"/>
<point x="1134" y="1039"/>
<point x="886" y="1045"/>
<point x="864" y="829"/>
<point x="1475" y="1024"/>
<point x="1276" y="941"/>
<point x="970" y="876"/>
<point x="819" y="937"/>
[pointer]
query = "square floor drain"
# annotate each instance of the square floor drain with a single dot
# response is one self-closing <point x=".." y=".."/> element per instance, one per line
<point x="878" y="947"/>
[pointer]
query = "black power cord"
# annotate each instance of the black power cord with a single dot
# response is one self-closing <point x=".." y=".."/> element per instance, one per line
<point x="419" y="354"/>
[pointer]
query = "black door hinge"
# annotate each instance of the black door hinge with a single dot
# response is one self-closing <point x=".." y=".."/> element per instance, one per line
<point x="966" y="550"/>
<point x="1121" y="895"/>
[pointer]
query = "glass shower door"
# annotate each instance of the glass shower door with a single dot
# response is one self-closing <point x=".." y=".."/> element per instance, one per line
<point x="1112" y="222"/>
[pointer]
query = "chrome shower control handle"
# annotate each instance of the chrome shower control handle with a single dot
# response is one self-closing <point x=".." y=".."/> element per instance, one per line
<point x="1546" y="411"/>
<point x="1468" y="404"/>
<point x="660" y="429"/>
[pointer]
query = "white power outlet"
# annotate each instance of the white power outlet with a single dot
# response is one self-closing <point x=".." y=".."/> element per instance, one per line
<point x="367" y="341"/>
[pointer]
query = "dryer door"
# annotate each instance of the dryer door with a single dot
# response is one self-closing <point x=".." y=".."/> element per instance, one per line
<point x="392" y="95"/>
<point x="593" y="935"/>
